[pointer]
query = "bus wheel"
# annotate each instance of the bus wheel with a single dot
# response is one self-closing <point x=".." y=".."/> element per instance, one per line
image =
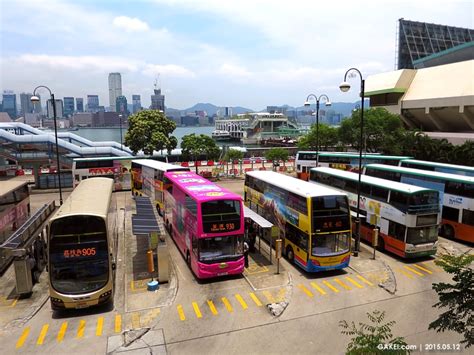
<point x="447" y="231"/>
<point x="290" y="255"/>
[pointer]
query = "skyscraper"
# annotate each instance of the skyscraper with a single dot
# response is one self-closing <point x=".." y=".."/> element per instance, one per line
<point x="79" y="104"/>
<point x="25" y="103"/>
<point x="59" y="108"/>
<point x="157" y="100"/>
<point x="137" y="104"/>
<point x="68" y="106"/>
<point x="92" y="103"/>
<point x="115" y="89"/>
<point x="9" y="103"/>
<point x="121" y="105"/>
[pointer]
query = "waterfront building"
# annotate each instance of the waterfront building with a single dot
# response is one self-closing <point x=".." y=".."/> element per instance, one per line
<point x="9" y="104"/>
<point x="68" y="106"/>
<point x="33" y="119"/>
<point x="79" y="104"/>
<point x="115" y="90"/>
<point x="92" y="103"/>
<point x="82" y="119"/>
<point x="137" y="104"/>
<point x="422" y="45"/>
<point x="59" y="108"/>
<point x="121" y="106"/>
<point x="106" y="119"/>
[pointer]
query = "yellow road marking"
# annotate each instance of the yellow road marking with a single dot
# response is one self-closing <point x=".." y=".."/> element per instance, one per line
<point x="241" y="301"/>
<point x="227" y="304"/>
<point x="343" y="284"/>
<point x="81" y="328"/>
<point x="136" y="320"/>
<point x="354" y="282"/>
<point x="132" y="286"/>
<point x="62" y="332"/>
<point x="14" y="302"/>
<point x="413" y="270"/>
<point x="406" y="274"/>
<point x="432" y="266"/>
<point x="100" y="324"/>
<point x="269" y="296"/>
<point x="281" y="295"/>
<point x="118" y="323"/>
<point x="23" y="337"/>
<point x="197" y="310"/>
<point x="360" y="277"/>
<point x="212" y="307"/>
<point x="422" y="268"/>
<point x="42" y="335"/>
<point x="305" y="290"/>
<point x="255" y="299"/>
<point x="330" y="286"/>
<point x="181" y="312"/>
<point x="319" y="289"/>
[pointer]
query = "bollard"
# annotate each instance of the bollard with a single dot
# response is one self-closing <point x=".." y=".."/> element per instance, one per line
<point x="151" y="264"/>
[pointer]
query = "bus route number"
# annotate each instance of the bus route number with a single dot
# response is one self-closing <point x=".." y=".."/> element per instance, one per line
<point x="331" y="224"/>
<point x="74" y="253"/>
<point x="221" y="227"/>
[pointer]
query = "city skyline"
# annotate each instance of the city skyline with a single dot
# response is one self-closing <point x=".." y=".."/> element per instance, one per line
<point x="229" y="53"/>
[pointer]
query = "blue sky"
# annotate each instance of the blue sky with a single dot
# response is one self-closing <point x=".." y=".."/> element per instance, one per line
<point x="251" y="53"/>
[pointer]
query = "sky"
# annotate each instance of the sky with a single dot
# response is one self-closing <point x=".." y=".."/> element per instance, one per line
<point x="249" y="53"/>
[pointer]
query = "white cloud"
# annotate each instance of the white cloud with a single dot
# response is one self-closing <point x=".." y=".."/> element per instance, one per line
<point x="171" y="70"/>
<point x="130" y="24"/>
<point x="234" y="71"/>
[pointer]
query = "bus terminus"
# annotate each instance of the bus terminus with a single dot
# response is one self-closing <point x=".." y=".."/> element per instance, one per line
<point x="14" y="211"/>
<point x="406" y="215"/>
<point x="305" y="160"/>
<point x="314" y="221"/>
<point x="82" y="242"/>
<point x="438" y="167"/>
<point x="456" y="196"/>
<point x="206" y="222"/>
<point x="147" y="179"/>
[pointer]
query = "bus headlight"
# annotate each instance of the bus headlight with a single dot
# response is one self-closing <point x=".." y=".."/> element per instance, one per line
<point x="105" y="296"/>
<point x="56" y="302"/>
<point x="410" y="247"/>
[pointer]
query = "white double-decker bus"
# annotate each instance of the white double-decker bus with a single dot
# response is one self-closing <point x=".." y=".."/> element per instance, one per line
<point x="407" y="216"/>
<point x="438" y="167"/>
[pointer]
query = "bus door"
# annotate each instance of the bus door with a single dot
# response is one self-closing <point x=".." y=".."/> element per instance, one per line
<point x="297" y="241"/>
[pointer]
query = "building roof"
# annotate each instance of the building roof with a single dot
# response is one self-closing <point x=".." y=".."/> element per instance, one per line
<point x="392" y="82"/>
<point x="5" y="117"/>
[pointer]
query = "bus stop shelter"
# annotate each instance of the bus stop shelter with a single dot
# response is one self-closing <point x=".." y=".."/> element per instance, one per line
<point x="269" y="231"/>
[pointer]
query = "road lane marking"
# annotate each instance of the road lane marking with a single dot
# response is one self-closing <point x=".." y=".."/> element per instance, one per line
<point x="62" y="332"/>
<point x="23" y="337"/>
<point x="330" y="286"/>
<point x="281" y="295"/>
<point x="407" y="274"/>
<point x="118" y="323"/>
<point x="100" y="325"/>
<point x="354" y="282"/>
<point x="432" y="266"/>
<point x="413" y="270"/>
<point x="319" y="289"/>
<point x="181" y="312"/>
<point x="14" y="302"/>
<point x="348" y="288"/>
<point x="227" y="304"/>
<point x="255" y="299"/>
<point x="44" y="331"/>
<point x="360" y="277"/>
<point x="136" y="320"/>
<point x="305" y="290"/>
<point x="269" y="296"/>
<point x="212" y="307"/>
<point x="241" y="301"/>
<point x="197" y="310"/>
<point x="80" y="329"/>
<point x="422" y="268"/>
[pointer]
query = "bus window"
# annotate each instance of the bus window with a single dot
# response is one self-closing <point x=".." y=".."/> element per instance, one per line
<point x="421" y="235"/>
<point x="467" y="217"/>
<point x="399" y="200"/>
<point x="396" y="230"/>
<point x="451" y="214"/>
<point x="217" y="248"/>
<point x="220" y="216"/>
<point x="329" y="244"/>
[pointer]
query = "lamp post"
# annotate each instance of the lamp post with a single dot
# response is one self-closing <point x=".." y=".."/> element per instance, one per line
<point x="345" y="86"/>
<point x="307" y="103"/>
<point x="36" y="99"/>
<point x="121" y="147"/>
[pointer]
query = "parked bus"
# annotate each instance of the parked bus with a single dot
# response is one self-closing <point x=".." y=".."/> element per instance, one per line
<point x="206" y="222"/>
<point x="407" y="216"/>
<point x="147" y="179"/>
<point x="14" y="211"/>
<point x="314" y="221"/>
<point x="456" y="194"/>
<point x="82" y="244"/>
<point x="305" y="160"/>
<point x="438" y="167"/>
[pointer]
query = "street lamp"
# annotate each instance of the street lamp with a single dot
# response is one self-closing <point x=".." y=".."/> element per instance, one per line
<point x="307" y="103"/>
<point x="35" y="99"/>
<point x="345" y="86"/>
<point x="121" y="147"/>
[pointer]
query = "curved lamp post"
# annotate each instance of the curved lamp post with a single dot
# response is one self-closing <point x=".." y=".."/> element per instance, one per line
<point x="35" y="99"/>
<point x="345" y="86"/>
<point x="121" y="144"/>
<point x="307" y="103"/>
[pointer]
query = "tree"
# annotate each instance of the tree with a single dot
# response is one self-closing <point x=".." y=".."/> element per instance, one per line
<point x="277" y="154"/>
<point x="194" y="146"/>
<point x="233" y="155"/>
<point x="150" y="130"/>
<point x="369" y="338"/>
<point x="328" y="137"/>
<point x="458" y="298"/>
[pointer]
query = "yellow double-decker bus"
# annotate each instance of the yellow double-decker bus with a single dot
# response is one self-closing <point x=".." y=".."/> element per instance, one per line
<point x="314" y="221"/>
<point x="82" y="244"/>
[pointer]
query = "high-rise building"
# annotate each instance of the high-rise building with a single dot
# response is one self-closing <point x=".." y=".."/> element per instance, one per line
<point x="121" y="105"/>
<point x="9" y="104"/>
<point x="79" y="104"/>
<point x="59" y="108"/>
<point x="92" y="103"/>
<point x="26" y="106"/>
<point x="115" y="89"/>
<point x="157" y="99"/>
<point x="420" y="42"/>
<point x="137" y="104"/>
<point x="68" y="106"/>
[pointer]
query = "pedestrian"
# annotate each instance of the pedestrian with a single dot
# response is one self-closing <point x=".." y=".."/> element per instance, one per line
<point x="246" y="254"/>
<point x="252" y="236"/>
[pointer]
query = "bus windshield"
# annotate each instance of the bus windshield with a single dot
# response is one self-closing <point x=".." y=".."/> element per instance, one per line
<point x="330" y="213"/>
<point x="422" y="235"/>
<point x="330" y="244"/>
<point x="78" y="254"/>
<point x="220" y="248"/>
<point x="220" y="216"/>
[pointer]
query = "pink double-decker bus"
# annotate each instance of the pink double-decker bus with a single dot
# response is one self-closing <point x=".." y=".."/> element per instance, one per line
<point x="206" y="222"/>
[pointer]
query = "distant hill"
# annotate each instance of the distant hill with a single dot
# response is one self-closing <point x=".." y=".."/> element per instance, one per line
<point x="211" y="109"/>
<point x="345" y="108"/>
